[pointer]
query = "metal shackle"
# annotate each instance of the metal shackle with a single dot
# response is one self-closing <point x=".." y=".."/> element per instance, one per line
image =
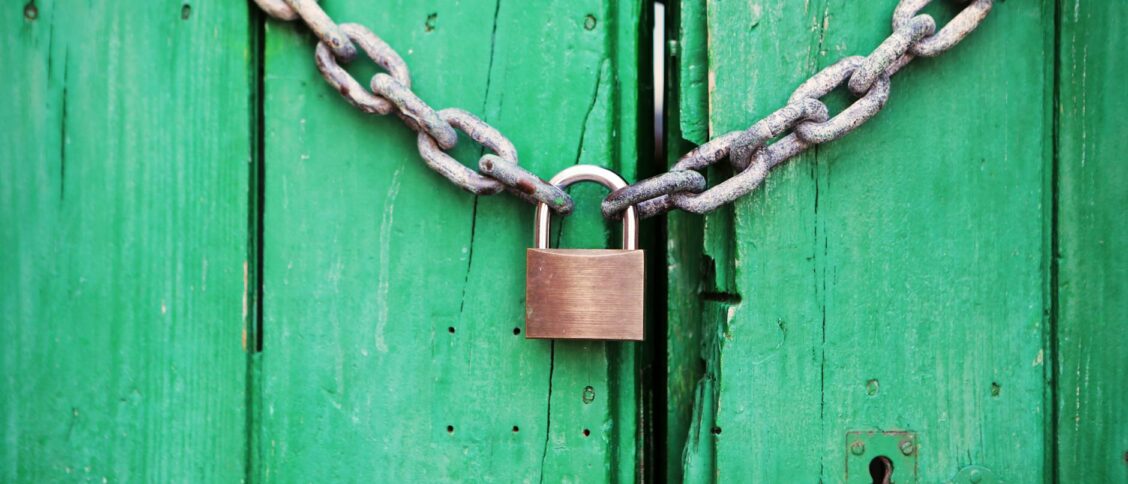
<point x="592" y="173"/>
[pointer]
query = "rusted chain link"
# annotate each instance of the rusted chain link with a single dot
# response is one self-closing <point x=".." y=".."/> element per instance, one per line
<point x="324" y="28"/>
<point x="390" y="92"/>
<point x="526" y="185"/>
<point x="964" y="22"/>
<point x="892" y="49"/>
<point x="849" y="119"/>
<point x="456" y="172"/>
<point x="380" y="53"/>
<point x="802" y="123"/>
<point x="277" y="9"/>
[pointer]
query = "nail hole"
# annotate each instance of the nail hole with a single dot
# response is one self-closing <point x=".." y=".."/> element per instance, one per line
<point x="881" y="469"/>
<point x="516" y="331"/>
<point x="716" y="431"/>
<point x="515" y="429"/>
<point x="589" y="394"/>
<point x="872" y="386"/>
<point x="450" y="329"/>
<point x="185" y="11"/>
<point x="587" y="432"/>
<point x="429" y="25"/>
<point x="31" y="12"/>
<point x="450" y="429"/>
<point x="589" y="22"/>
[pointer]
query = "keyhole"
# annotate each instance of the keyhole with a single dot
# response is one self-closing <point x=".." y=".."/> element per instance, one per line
<point x="881" y="469"/>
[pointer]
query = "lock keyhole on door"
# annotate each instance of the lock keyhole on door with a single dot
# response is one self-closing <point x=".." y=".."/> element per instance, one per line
<point x="881" y="469"/>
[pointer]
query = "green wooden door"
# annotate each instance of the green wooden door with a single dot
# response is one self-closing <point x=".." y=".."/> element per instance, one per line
<point x="212" y="269"/>
<point x="946" y="274"/>
<point x="393" y="304"/>
<point x="124" y="154"/>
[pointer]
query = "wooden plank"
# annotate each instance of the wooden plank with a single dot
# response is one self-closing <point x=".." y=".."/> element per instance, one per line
<point x="686" y="123"/>
<point x="890" y="280"/>
<point x="123" y="200"/>
<point x="1092" y="245"/>
<point x="392" y="298"/>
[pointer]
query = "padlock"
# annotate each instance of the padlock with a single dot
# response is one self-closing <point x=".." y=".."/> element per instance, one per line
<point x="593" y="294"/>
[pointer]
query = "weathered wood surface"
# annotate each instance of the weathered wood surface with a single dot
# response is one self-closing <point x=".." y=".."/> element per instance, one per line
<point x="124" y="155"/>
<point x="895" y="279"/>
<point x="392" y="300"/>
<point x="1092" y="244"/>
<point x="955" y="268"/>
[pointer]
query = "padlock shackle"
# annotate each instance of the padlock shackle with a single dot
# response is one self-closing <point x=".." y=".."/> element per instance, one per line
<point x="592" y="173"/>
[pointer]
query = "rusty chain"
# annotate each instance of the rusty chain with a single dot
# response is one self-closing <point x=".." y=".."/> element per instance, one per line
<point x="802" y="123"/>
<point x="390" y="92"/>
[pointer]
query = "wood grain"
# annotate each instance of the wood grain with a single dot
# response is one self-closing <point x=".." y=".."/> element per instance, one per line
<point x="894" y="279"/>
<point x="1092" y="245"/>
<point x="124" y="155"/>
<point x="393" y="301"/>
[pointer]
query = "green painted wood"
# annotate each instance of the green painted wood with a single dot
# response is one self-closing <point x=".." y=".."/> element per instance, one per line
<point x="1092" y="245"/>
<point x="123" y="206"/>
<point x="686" y="122"/>
<point x="392" y="299"/>
<point x="892" y="280"/>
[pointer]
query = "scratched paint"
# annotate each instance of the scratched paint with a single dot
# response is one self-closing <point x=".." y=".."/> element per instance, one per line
<point x="384" y="280"/>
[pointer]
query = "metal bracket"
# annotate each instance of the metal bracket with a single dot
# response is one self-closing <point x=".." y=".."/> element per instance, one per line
<point x="871" y="454"/>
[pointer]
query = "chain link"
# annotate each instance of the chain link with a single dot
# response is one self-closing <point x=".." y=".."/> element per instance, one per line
<point x="850" y="118"/>
<point x="380" y="53"/>
<point x="525" y="184"/>
<point x="277" y="9"/>
<point x="802" y="123"/>
<point x="390" y="92"/>
<point x="456" y="172"/>
<point x="324" y="27"/>
<point x="889" y="52"/>
<point x="959" y="27"/>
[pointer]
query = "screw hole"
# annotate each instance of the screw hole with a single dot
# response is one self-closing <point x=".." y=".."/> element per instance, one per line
<point x="450" y="429"/>
<point x="450" y="329"/>
<point x="716" y="431"/>
<point x="31" y="12"/>
<point x="589" y="394"/>
<point x="881" y="469"/>
<point x="996" y="388"/>
<point x="516" y="331"/>
<point x="589" y="22"/>
<point x="872" y="387"/>
<point x="515" y="429"/>
<point x="185" y="11"/>
<point x="587" y="432"/>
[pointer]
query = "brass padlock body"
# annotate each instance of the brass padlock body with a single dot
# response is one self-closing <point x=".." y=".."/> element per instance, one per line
<point x="584" y="294"/>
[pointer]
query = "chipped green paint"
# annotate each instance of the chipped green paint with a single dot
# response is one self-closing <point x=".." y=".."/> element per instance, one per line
<point x="393" y="302"/>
